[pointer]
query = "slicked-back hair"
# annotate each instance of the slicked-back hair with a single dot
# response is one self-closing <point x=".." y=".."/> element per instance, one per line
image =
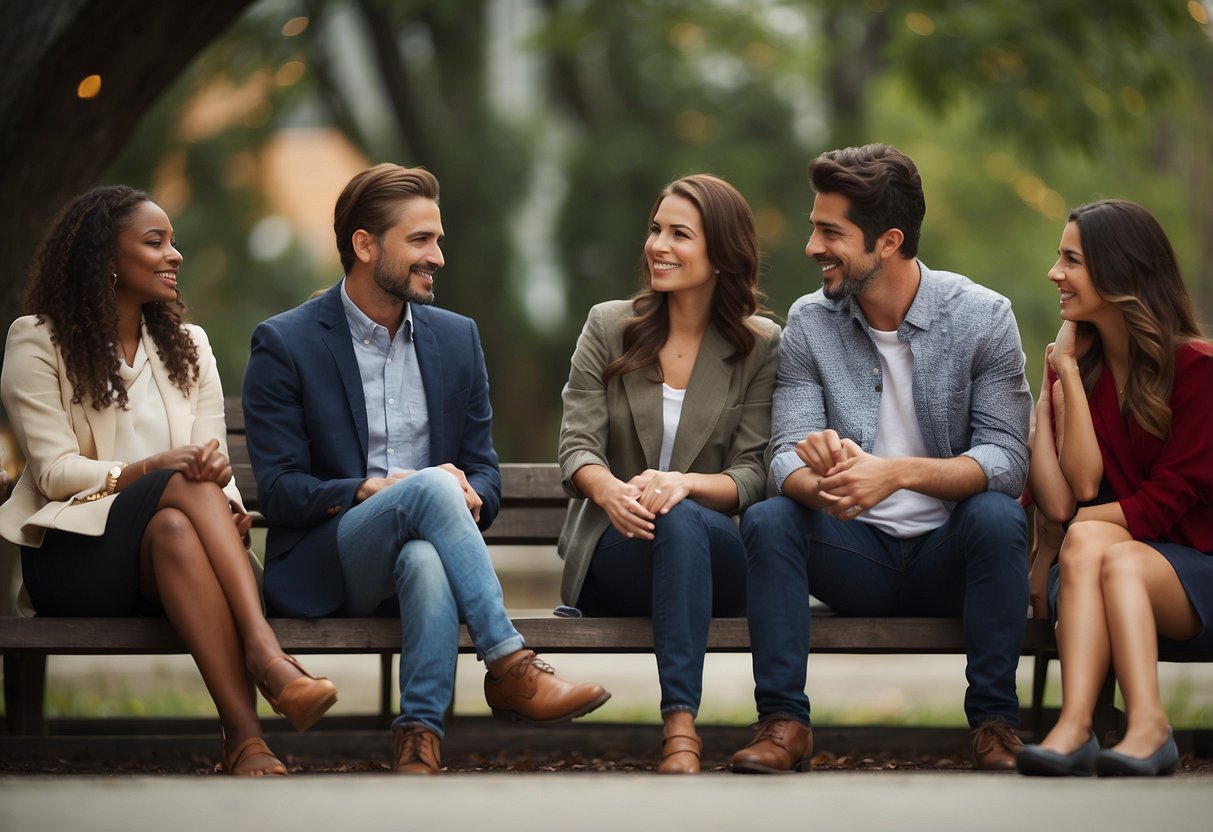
<point x="1133" y="267"/>
<point x="71" y="285"/>
<point x="884" y="189"/>
<point x="371" y="202"/>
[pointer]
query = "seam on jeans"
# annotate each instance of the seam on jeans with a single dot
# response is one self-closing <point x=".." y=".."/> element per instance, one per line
<point x="833" y="544"/>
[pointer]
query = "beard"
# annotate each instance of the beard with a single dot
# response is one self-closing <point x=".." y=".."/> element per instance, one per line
<point x="850" y="284"/>
<point x="387" y="277"/>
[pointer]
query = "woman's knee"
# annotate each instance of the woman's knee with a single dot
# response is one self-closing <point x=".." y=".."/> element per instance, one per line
<point x="1082" y="551"/>
<point x="171" y="536"/>
<point x="1121" y="563"/>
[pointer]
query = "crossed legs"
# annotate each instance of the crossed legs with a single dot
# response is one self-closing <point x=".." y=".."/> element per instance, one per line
<point x="193" y="562"/>
<point x="1117" y="594"/>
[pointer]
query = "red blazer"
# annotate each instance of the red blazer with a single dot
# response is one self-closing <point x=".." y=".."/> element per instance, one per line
<point x="1165" y="488"/>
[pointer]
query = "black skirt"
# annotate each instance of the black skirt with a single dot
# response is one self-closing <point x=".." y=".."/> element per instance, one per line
<point x="79" y="575"/>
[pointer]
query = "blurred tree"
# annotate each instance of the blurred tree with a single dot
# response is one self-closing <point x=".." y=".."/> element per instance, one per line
<point x="78" y="75"/>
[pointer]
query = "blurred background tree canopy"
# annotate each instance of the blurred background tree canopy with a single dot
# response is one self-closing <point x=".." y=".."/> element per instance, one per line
<point x="552" y="124"/>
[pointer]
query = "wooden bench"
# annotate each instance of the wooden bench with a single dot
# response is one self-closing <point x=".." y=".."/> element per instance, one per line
<point x="533" y="506"/>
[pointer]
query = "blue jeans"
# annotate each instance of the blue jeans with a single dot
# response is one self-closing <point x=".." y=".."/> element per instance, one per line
<point x="973" y="566"/>
<point x="693" y="568"/>
<point x="417" y="540"/>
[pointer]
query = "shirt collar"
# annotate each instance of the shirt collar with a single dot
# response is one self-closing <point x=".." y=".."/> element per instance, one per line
<point x="363" y="328"/>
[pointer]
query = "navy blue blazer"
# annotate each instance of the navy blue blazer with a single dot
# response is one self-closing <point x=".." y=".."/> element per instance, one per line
<point x="305" y="417"/>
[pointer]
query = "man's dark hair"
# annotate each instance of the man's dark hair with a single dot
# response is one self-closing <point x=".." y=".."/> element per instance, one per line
<point x="884" y="189"/>
<point x="371" y="202"/>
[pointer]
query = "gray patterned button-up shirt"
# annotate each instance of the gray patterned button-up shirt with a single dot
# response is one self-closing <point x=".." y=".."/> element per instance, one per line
<point x="970" y="391"/>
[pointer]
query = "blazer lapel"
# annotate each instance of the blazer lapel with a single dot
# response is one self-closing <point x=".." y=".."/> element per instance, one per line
<point x="429" y="361"/>
<point x="644" y="400"/>
<point x="704" y="401"/>
<point x="336" y="337"/>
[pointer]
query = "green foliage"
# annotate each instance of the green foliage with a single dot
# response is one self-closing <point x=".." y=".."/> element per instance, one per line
<point x="553" y="124"/>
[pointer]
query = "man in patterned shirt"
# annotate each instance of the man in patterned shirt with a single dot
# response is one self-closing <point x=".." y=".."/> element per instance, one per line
<point x="899" y="447"/>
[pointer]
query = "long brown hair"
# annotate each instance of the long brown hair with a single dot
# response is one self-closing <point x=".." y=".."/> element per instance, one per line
<point x="70" y="285"/>
<point x="732" y="247"/>
<point x="1133" y="267"/>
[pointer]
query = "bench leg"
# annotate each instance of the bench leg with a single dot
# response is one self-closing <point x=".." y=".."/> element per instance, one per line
<point x="386" y="711"/>
<point x="1105" y="719"/>
<point x="24" y="693"/>
<point x="1040" y="676"/>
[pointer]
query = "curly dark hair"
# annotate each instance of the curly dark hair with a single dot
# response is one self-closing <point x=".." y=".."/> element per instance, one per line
<point x="732" y="246"/>
<point x="70" y="285"/>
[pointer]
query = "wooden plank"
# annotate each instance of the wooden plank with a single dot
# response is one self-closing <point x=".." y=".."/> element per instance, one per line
<point x="829" y="634"/>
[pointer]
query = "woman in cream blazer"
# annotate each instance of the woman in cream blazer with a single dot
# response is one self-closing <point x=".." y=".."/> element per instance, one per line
<point x="127" y="503"/>
<point x="667" y="415"/>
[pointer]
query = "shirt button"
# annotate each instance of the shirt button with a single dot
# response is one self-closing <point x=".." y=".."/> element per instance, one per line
<point x="391" y="451"/>
<point x="389" y="361"/>
<point x="366" y="341"/>
<point x="878" y="388"/>
<point x="875" y="371"/>
<point x="391" y="401"/>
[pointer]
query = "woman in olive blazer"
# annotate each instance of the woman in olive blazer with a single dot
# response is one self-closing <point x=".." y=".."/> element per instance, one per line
<point x="127" y="503"/>
<point x="667" y="415"/>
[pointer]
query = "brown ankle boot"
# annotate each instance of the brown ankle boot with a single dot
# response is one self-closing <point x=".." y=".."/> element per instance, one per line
<point x="680" y="754"/>
<point x="415" y="750"/>
<point x="528" y="690"/>
<point x="779" y="745"/>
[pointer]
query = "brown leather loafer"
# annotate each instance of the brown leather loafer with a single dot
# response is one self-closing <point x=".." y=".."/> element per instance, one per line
<point x="995" y="745"/>
<point x="779" y="745"/>
<point x="528" y="690"/>
<point x="415" y="750"/>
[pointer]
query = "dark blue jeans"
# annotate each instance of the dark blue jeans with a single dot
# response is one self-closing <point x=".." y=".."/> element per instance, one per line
<point x="973" y="566"/>
<point x="693" y="568"/>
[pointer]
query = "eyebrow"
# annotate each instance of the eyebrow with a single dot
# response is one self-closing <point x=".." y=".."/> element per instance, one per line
<point x="833" y="226"/>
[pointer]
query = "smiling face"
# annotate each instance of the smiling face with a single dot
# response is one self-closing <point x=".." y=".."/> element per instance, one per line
<point x="147" y="259"/>
<point x="676" y="250"/>
<point x="408" y="254"/>
<point x="1080" y="301"/>
<point x="847" y="267"/>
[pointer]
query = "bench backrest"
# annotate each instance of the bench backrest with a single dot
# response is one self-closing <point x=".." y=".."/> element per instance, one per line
<point x="533" y="502"/>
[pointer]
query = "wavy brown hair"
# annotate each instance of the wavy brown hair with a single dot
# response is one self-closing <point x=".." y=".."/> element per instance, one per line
<point x="1133" y="267"/>
<point x="732" y="248"/>
<point x="70" y="286"/>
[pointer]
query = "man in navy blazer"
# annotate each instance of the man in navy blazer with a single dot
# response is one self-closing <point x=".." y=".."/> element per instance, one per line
<point x="369" y="427"/>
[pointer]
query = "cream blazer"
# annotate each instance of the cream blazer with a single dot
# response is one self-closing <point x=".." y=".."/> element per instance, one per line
<point x="69" y="447"/>
<point x="724" y="428"/>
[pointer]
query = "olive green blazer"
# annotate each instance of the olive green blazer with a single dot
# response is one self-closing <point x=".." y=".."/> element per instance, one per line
<point x="724" y="427"/>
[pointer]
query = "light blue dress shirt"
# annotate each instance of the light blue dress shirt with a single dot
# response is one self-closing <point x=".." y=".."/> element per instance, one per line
<point x="397" y="420"/>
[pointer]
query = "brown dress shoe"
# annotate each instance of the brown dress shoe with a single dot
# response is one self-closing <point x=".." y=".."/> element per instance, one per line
<point x="528" y="690"/>
<point x="415" y="750"/>
<point x="680" y="754"/>
<point x="780" y="745"/>
<point x="995" y="745"/>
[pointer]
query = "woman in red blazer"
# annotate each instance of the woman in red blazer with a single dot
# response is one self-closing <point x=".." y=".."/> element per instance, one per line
<point x="127" y="504"/>
<point x="1123" y="453"/>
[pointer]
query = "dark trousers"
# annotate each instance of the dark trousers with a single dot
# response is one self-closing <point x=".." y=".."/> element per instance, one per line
<point x="973" y="566"/>
<point x="694" y="568"/>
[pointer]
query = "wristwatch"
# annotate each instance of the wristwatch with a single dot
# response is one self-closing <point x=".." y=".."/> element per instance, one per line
<point x="111" y="484"/>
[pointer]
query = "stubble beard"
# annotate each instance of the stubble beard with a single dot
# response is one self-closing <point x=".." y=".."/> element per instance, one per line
<point x="404" y="291"/>
<point x="849" y="286"/>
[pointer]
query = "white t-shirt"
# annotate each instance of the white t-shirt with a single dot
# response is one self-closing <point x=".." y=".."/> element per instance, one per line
<point x="671" y="414"/>
<point x="903" y="513"/>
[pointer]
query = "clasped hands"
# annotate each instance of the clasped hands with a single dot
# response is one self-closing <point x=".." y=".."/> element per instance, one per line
<point x="635" y="504"/>
<point x="848" y="479"/>
<point x="201" y="463"/>
<point x="373" y="485"/>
